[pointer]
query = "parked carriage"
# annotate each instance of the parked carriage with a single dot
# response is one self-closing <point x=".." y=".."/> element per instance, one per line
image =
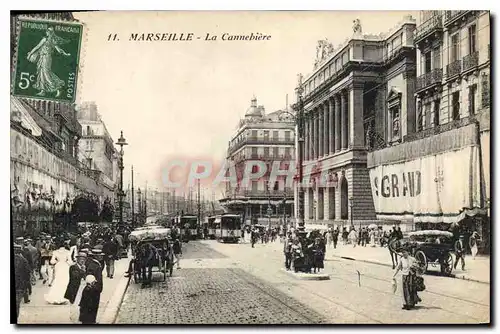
<point x="163" y="259"/>
<point x="430" y="248"/>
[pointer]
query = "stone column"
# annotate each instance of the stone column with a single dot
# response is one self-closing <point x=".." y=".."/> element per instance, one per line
<point x="338" y="128"/>
<point x="344" y="120"/>
<point x="321" y="117"/>
<point x="316" y="134"/>
<point x="356" y="128"/>
<point x="307" y="203"/>
<point x="331" y="198"/>
<point x="326" y="203"/>
<point x="313" y="136"/>
<point x="316" y="201"/>
<point x="321" y="202"/>
<point x="306" y="139"/>
<point x="331" y="126"/>
<point x="326" y="133"/>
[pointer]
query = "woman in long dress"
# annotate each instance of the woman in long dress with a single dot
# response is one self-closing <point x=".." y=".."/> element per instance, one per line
<point x="353" y="237"/>
<point x="407" y="266"/>
<point x="61" y="259"/>
<point x="473" y="244"/>
<point x="46" y="80"/>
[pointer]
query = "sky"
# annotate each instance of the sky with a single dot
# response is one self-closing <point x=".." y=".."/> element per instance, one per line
<point x="184" y="99"/>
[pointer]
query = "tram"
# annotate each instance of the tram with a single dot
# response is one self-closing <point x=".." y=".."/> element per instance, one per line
<point x="228" y="228"/>
<point x="211" y="227"/>
<point x="189" y="227"/>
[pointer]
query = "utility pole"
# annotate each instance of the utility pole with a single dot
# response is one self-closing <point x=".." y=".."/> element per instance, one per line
<point x="132" y="199"/>
<point x="146" y="203"/>
<point x="199" y="204"/>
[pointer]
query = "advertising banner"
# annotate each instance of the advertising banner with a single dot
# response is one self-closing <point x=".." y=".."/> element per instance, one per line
<point x="435" y="188"/>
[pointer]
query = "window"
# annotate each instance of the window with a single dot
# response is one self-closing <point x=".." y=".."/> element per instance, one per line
<point x="472" y="39"/>
<point x="437" y="57"/>
<point x="287" y="151"/>
<point x="287" y="135"/>
<point x="395" y="128"/>
<point x="275" y="151"/>
<point x="275" y="135"/>
<point x="455" y="104"/>
<point x="266" y="152"/>
<point x="89" y="163"/>
<point x="254" y="133"/>
<point x="427" y="62"/>
<point x="472" y="99"/>
<point x="454" y="48"/>
<point x="436" y="112"/>
<point x="276" y="186"/>
<point x="266" y="134"/>
<point x="485" y="90"/>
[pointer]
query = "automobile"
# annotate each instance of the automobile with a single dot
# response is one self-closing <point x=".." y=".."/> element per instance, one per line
<point x="432" y="248"/>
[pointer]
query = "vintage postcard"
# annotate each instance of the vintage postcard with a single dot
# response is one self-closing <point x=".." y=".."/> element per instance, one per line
<point x="251" y="167"/>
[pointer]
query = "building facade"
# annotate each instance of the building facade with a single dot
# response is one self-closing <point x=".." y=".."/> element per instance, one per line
<point x="269" y="138"/>
<point x="96" y="148"/>
<point x="438" y="175"/>
<point x="50" y="190"/>
<point x="346" y="102"/>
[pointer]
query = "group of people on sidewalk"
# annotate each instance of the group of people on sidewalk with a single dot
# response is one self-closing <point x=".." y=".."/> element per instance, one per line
<point x="305" y="253"/>
<point x="71" y="265"/>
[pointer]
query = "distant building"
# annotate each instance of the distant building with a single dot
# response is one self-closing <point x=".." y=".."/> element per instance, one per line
<point x="352" y="100"/>
<point x="436" y="174"/>
<point x="269" y="138"/>
<point x="96" y="147"/>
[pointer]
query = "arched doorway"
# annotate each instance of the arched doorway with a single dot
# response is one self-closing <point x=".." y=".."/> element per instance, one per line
<point x="85" y="209"/>
<point x="344" y="204"/>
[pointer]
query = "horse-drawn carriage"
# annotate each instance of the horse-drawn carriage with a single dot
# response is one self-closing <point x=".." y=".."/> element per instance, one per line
<point x="151" y="248"/>
<point x="429" y="247"/>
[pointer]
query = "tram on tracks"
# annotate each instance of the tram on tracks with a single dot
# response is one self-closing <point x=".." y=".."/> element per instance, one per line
<point x="189" y="227"/>
<point x="211" y="227"/>
<point x="227" y="228"/>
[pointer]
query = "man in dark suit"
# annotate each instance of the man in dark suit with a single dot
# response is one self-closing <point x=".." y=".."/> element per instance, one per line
<point x="93" y="267"/>
<point x="460" y="252"/>
<point x="76" y="275"/>
<point x="22" y="276"/>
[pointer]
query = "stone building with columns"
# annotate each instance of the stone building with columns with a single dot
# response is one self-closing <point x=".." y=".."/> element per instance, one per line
<point x="347" y="100"/>
<point x="269" y="138"/>
<point x="445" y="146"/>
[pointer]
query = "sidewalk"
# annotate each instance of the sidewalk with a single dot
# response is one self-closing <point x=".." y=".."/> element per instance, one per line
<point x="39" y="312"/>
<point x="475" y="270"/>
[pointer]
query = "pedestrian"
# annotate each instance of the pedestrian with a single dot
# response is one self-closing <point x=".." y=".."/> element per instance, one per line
<point x="89" y="303"/>
<point x="407" y="265"/>
<point x="34" y="258"/>
<point x="287" y="250"/>
<point x="93" y="267"/>
<point x="345" y="235"/>
<point x="61" y="260"/>
<point x="352" y="237"/>
<point x="110" y="252"/>
<point x="74" y="288"/>
<point x="148" y="255"/>
<point x="335" y="237"/>
<point x="473" y="240"/>
<point x="22" y="277"/>
<point x="253" y="237"/>
<point x="318" y="250"/>
<point x="460" y="252"/>
<point x="177" y="248"/>
<point x="47" y="270"/>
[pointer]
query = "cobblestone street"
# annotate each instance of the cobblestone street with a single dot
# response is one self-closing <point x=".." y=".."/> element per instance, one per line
<point x="209" y="289"/>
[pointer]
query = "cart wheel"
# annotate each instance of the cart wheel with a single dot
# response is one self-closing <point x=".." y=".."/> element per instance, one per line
<point x="447" y="264"/>
<point x="422" y="260"/>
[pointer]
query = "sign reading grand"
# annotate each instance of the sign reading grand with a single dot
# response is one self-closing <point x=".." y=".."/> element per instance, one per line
<point x="431" y="188"/>
<point x="48" y="55"/>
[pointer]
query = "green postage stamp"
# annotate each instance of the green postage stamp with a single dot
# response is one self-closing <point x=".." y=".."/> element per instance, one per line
<point x="48" y="55"/>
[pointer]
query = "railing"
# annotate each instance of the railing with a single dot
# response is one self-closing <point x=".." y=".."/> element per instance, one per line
<point x="440" y="129"/>
<point x="452" y="15"/>
<point x="261" y="141"/>
<point x="428" y="79"/>
<point x="454" y="68"/>
<point x="288" y="192"/>
<point x="433" y="23"/>
<point x="471" y="61"/>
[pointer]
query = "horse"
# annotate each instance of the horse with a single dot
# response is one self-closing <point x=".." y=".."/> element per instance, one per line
<point x="145" y="258"/>
<point x="394" y="245"/>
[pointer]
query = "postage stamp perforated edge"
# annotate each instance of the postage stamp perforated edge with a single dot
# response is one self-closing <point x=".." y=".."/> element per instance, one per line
<point x="81" y="56"/>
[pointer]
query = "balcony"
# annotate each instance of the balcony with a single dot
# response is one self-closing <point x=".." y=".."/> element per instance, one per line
<point x="453" y="69"/>
<point x="429" y="79"/>
<point x="471" y="61"/>
<point x="433" y="25"/>
<point x="260" y="141"/>
<point x="452" y="16"/>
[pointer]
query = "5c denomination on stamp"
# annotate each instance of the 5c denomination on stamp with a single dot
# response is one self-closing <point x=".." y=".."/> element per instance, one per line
<point x="48" y="55"/>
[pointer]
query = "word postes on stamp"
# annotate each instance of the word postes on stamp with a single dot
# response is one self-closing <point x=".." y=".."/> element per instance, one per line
<point x="48" y="55"/>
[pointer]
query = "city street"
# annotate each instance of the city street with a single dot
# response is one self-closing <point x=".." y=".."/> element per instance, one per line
<point x="233" y="283"/>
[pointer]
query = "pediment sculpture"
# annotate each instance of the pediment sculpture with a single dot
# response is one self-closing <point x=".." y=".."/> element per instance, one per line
<point x="323" y="50"/>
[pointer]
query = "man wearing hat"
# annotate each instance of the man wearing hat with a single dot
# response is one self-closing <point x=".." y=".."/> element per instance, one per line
<point x="93" y="266"/>
<point x="460" y="252"/>
<point x="22" y="276"/>
<point x="76" y="275"/>
<point x="27" y="256"/>
<point x="34" y="255"/>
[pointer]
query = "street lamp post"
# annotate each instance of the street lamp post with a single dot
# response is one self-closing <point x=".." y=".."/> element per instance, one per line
<point x="121" y="142"/>
<point x="299" y="118"/>
<point x="351" y="205"/>
<point x="139" y="207"/>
